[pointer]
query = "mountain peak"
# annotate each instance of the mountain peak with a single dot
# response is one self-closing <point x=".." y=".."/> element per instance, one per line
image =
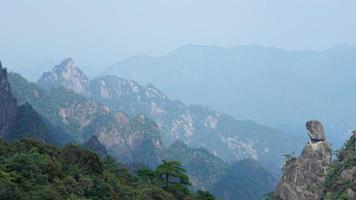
<point x="66" y="75"/>
<point x="68" y="68"/>
<point x="68" y="62"/>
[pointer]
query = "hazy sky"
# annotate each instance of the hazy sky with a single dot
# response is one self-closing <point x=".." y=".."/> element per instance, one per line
<point x="101" y="32"/>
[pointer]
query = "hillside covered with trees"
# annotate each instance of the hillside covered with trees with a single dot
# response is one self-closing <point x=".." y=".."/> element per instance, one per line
<point x="34" y="170"/>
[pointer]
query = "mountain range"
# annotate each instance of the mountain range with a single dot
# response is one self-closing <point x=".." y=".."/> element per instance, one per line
<point x="271" y="86"/>
<point x="68" y="117"/>
<point x="196" y="125"/>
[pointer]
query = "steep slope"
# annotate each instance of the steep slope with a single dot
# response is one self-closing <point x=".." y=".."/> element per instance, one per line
<point x="29" y="124"/>
<point x="202" y="167"/>
<point x="128" y="140"/>
<point x="303" y="176"/>
<point x="245" y="179"/>
<point x="8" y="105"/>
<point x="340" y="183"/>
<point x="196" y="125"/>
<point x="27" y="92"/>
<point x="19" y="122"/>
<point x="268" y="85"/>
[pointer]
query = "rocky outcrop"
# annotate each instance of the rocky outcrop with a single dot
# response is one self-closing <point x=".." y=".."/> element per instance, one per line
<point x="8" y="105"/>
<point x="66" y="75"/>
<point x="303" y="176"/>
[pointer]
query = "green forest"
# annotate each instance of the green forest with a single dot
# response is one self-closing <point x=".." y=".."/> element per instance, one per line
<point x="31" y="169"/>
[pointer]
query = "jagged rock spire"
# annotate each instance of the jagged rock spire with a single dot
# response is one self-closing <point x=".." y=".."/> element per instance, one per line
<point x="302" y="177"/>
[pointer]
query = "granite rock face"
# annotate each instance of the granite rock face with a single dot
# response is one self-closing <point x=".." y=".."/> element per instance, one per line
<point x="65" y="75"/>
<point x="8" y="105"/>
<point x="303" y="176"/>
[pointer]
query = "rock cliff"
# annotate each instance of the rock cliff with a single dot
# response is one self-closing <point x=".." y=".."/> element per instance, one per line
<point x="8" y="105"/>
<point x="303" y="177"/>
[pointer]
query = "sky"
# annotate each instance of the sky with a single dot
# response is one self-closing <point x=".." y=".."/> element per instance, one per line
<point x="36" y="34"/>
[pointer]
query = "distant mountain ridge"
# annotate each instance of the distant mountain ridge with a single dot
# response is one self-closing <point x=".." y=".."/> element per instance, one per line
<point x="196" y="125"/>
<point x="271" y="86"/>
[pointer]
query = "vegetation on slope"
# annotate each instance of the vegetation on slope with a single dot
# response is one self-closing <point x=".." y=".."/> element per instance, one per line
<point x="340" y="182"/>
<point x="30" y="125"/>
<point x="245" y="179"/>
<point x="34" y="170"/>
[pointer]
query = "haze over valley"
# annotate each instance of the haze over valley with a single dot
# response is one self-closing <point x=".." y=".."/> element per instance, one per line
<point x="178" y="100"/>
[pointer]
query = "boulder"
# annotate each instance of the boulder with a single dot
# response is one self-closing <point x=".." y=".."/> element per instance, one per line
<point x="315" y="130"/>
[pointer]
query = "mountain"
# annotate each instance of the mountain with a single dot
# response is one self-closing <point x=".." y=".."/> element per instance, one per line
<point x="67" y="75"/>
<point x="303" y="176"/>
<point x="79" y="118"/>
<point x="196" y="125"/>
<point x="271" y="86"/>
<point x="8" y="105"/>
<point x="245" y="179"/>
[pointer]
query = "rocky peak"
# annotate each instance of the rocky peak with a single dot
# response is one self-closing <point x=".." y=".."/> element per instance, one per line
<point x="66" y="75"/>
<point x="8" y="105"/>
<point x="302" y="177"/>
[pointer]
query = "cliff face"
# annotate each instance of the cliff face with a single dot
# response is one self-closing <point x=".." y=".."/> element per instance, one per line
<point x="8" y="107"/>
<point x="303" y="176"/>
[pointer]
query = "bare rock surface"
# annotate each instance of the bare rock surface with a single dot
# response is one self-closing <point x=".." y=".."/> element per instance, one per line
<point x="316" y="130"/>
<point x="303" y="176"/>
<point x="65" y="75"/>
